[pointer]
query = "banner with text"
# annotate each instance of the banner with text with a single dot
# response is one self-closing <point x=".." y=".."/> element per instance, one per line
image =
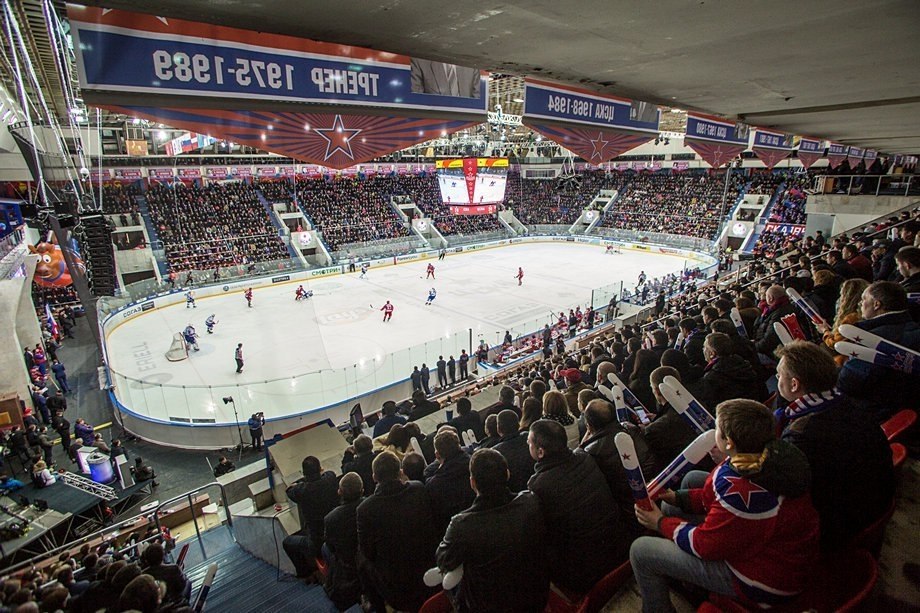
<point x="772" y="147"/>
<point x="595" y="126"/>
<point x="786" y="229"/>
<point x="124" y="53"/>
<point x="718" y="141"/>
<point x="870" y="157"/>
<point x="836" y="153"/>
<point x="810" y="151"/>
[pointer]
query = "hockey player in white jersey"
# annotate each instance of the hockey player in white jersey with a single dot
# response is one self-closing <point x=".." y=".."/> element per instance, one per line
<point x="364" y="268"/>
<point x="191" y="337"/>
<point x="432" y="294"/>
<point x="190" y="300"/>
<point x="210" y="322"/>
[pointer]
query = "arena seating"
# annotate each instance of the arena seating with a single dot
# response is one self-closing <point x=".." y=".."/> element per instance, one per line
<point x="542" y="202"/>
<point x="218" y="225"/>
<point x="687" y="203"/>
<point x="349" y="210"/>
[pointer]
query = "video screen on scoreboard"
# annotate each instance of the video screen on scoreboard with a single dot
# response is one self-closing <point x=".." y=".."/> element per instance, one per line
<point x="472" y="185"/>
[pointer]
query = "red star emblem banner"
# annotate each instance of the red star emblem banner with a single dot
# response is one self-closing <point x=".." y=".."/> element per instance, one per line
<point x="716" y="140"/>
<point x="810" y="151"/>
<point x="836" y="154"/>
<point x="772" y="147"/>
<point x="592" y="144"/>
<point x="333" y="140"/>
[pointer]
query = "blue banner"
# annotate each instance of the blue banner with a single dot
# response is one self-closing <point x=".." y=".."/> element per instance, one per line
<point x="703" y="127"/>
<point x="809" y="145"/>
<point x="772" y="140"/>
<point x="566" y="104"/>
<point x="119" y="51"/>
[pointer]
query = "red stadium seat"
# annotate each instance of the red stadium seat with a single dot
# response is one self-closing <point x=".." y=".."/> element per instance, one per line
<point x="593" y="601"/>
<point x="898" y="423"/>
<point x="873" y="535"/>
<point x="439" y="603"/>
<point x="898" y="455"/>
<point x="840" y="583"/>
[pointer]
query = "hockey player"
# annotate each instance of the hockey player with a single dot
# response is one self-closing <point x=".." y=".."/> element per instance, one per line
<point x="642" y="278"/>
<point x="432" y="294"/>
<point x="364" y="268"/>
<point x="248" y="295"/>
<point x="520" y="276"/>
<point x="190" y="300"/>
<point x="210" y="322"/>
<point x="300" y="294"/>
<point x="191" y="337"/>
<point x="430" y="272"/>
<point x="387" y="311"/>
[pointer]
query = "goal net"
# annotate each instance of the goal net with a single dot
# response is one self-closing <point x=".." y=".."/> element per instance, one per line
<point x="177" y="350"/>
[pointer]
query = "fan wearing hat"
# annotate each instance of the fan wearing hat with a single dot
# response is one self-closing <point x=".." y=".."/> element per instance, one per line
<point x="573" y="385"/>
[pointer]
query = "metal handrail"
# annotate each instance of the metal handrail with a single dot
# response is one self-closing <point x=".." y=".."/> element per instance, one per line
<point x="191" y="506"/>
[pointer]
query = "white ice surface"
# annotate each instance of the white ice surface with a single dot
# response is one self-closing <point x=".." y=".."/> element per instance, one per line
<point x="339" y="337"/>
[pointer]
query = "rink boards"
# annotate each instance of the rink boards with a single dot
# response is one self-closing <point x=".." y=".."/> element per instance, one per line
<point x="337" y="353"/>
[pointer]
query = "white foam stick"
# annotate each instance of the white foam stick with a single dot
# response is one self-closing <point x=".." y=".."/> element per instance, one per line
<point x="902" y="362"/>
<point x="471" y="437"/>
<point x="739" y="323"/>
<point x="205" y="587"/>
<point x="640" y="411"/>
<point x="686" y="405"/>
<point x="452" y="578"/>
<point x="694" y="453"/>
<point x="784" y="337"/>
<point x="416" y="446"/>
<point x="433" y="577"/>
<point x="874" y="341"/>
<point x="615" y="396"/>
<point x="606" y="392"/>
<point x="627" y="450"/>
<point x="807" y="307"/>
<point x="464" y="438"/>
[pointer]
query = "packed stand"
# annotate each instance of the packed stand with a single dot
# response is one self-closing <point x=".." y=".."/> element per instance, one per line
<point x="351" y="210"/>
<point x="788" y="209"/>
<point x="119" y="200"/>
<point x="216" y="226"/>
<point x="424" y="191"/>
<point x="543" y="495"/>
<point x="543" y="202"/>
<point x="278" y="191"/>
<point x="680" y="203"/>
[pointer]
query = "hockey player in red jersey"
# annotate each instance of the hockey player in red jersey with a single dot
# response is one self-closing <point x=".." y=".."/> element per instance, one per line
<point x="248" y="295"/>
<point x="520" y="275"/>
<point x="387" y="311"/>
<point x="430" y="272"/>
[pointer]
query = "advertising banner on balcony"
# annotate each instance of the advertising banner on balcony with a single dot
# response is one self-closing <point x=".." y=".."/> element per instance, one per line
<point x="716" y="140"/>
<point x="160" y="173"/>
<point x="189" y="173"/>
<point x="836" y="154"/>
<point x="217" y="172"/>
<point x="786" y="229"/>
<point x="128" y="174"/>
<point x="680" y="166"/>
<point x="810" y="151"/>
<point x="772" y="147"/>
<point x="595" y="126"/>
<point x="243" y="172"/>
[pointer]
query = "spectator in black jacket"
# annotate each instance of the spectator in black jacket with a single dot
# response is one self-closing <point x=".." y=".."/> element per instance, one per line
<point x="178" y="588"/>
<point x="315" y="495"/>
<point x="513" y="446"/>
<point x="449" y="487"/>
<point x="358" y="459"/>
<point x="602" y="425"/>
<point x="831" y="433"/>
<point x="778" y="306"/>
<point x="727" y="376"/>
<point x="585" y="537"/>
<point x="467" y="419"/>
<point x="421" y="406"/>
<point x="223" y="467"/>
<point x="341" y="547"/>
<point x="397" y="539"/>
<point x="501" y="542"/>
<point x="693" y="341"/>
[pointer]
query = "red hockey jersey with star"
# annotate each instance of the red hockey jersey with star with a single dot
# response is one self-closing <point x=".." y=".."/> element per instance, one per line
<point x="762" y="525"/>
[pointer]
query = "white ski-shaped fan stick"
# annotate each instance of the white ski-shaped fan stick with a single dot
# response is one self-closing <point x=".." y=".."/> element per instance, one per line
<point x="874" y="341"/>
<point x="686" y="405"/>
<point x="902" y="362"/>
<point x="684" y="463"/>
<point x="449" y="580"/>
<point x="735" y="314"/>
<point x="807" y="307"/>
<point x="784" y="337"/>
<point x="642" y="411"/>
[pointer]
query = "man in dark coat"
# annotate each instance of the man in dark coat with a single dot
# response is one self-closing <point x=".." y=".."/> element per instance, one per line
<point x="452" y="369"/>
<point x="726" y="375"/>
<point x="358" y="459"/>
<point x="602" y="426"/>
<point x="693" y="341"/>
<point x="513" y="446"/>
<point x="670" y="433"/>
<point x="449" y="487"/>
<point x="501" y="542"/>
<point x="315" y="495"/>
<point x="908" y="261"/>
<point x="467" y="419"/>
<point x="442" y="372"/>
<point x="397" y="539"/>
<point x="877" y="389"/>
<point x="416" y="378"/>
<point x="421" y="406"/>
<point x="778" y="306"/>
<point x="585" y="538"/>
<point x="831" y="433"/>
<point x="341" y="547"/>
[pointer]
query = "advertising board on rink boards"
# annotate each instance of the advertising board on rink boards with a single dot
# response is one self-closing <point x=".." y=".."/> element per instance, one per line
<point x="124" y="52"/>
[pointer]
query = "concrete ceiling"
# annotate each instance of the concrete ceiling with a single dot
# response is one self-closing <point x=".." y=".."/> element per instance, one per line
<point x="844" y="70"/>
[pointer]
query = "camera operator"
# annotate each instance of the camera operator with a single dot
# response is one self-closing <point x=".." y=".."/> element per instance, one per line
<point x="255" y="429"/>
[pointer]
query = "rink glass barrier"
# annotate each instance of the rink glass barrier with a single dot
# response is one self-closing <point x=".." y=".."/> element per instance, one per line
<point x="314" y="391"/>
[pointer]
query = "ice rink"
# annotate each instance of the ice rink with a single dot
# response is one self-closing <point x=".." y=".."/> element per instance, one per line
<point x="338" y="336"/>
